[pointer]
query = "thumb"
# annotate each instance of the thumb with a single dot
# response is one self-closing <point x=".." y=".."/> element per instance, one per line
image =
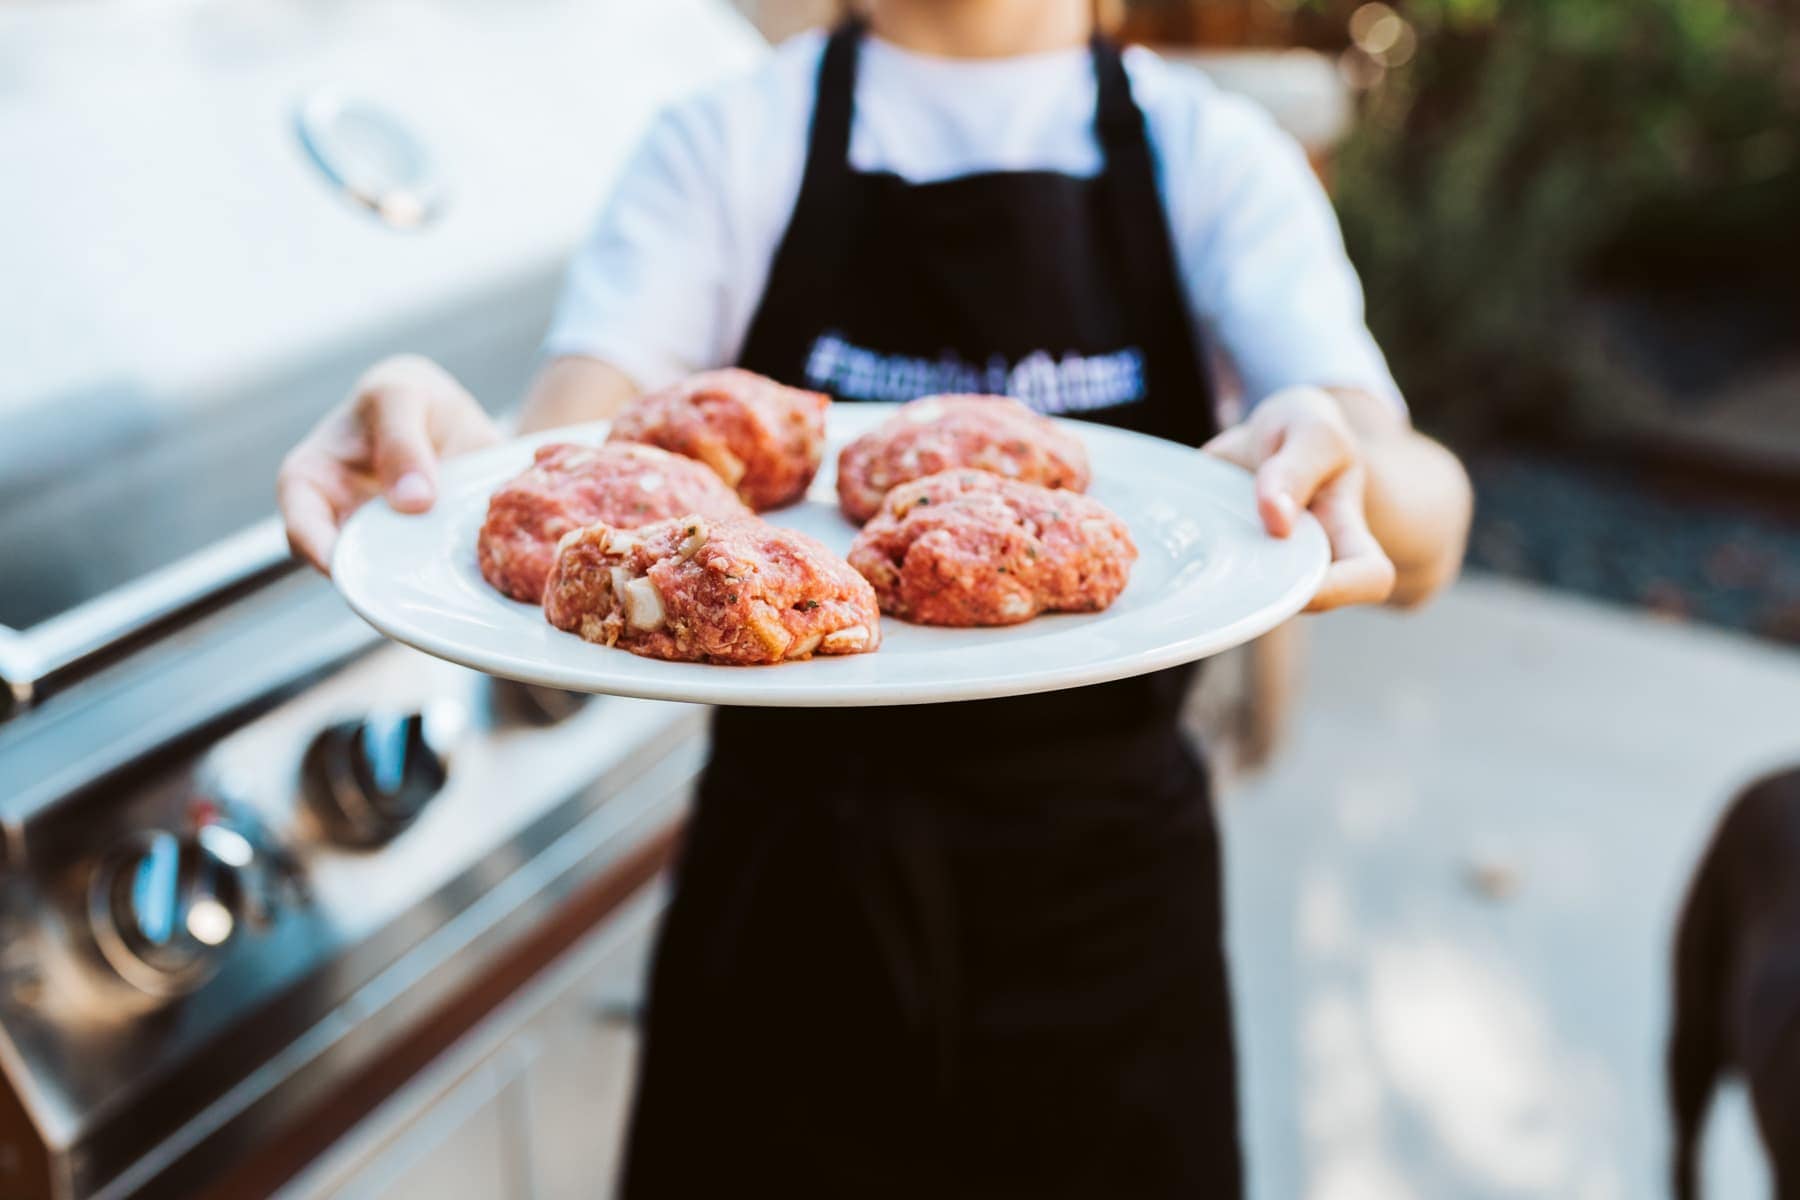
<point x="400" y="448"/>
<point x="1311" y="455"/>
<point x="1236" y="445"/>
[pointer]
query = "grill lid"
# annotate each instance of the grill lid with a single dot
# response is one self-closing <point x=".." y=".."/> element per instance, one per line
<point x="213" y="257"/>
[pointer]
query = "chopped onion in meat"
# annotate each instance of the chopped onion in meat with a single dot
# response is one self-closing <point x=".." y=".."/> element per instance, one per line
<point x="695" y="539"/>
<point x="846" y="641"/>
<point x="725" y="464"/>
<point x="643" y="605"/>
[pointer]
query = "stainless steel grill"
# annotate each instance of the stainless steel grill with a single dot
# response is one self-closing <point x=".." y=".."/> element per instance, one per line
<point x="259" y="872"/>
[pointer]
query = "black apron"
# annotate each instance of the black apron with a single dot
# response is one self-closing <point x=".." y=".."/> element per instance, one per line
<point x="965" y="949"/>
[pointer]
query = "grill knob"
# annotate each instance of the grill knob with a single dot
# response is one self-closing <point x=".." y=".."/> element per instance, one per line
<point x="534" y="704"/>
<point x="367" y="780"/>
<point x="163" y="905"/>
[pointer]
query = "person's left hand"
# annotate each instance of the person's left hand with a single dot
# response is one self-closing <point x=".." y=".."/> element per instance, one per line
<point x="1306" y="456"/>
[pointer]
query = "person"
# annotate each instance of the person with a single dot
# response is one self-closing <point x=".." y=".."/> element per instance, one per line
<point x="968" y="949"/>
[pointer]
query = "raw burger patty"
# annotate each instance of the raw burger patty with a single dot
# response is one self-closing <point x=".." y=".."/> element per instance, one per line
<point x="938" y="433"/>
<point x="972" y="548"/>
<point x="737" y="591"/>
<point x="762" y="438"/>
<point x="569" y="486"/>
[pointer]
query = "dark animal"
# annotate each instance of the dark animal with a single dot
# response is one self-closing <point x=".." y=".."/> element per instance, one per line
<point x="1737" y="981"/>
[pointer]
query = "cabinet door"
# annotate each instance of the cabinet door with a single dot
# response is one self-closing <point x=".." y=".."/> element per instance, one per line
<point x="531" y="1106"/>
<point x="472" y="1142"/>
<point x="581" y="1084"/>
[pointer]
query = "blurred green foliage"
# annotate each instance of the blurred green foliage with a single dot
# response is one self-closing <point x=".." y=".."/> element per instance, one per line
<point x="1527" y="140"/>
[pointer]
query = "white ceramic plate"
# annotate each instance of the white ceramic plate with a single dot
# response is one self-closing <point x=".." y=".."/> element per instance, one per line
<point x="1208" y="578"/>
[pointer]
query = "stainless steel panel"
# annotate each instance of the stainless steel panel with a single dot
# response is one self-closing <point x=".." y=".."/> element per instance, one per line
<point x="85" y="510"/>
<point x="199" y="675"/>
<point x="59" y="644"/>
<point x="140" y="1096"/>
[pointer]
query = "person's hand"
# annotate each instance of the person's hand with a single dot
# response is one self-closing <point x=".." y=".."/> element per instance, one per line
<point x="1306" y="456"/>
<point x="402" y="417"/>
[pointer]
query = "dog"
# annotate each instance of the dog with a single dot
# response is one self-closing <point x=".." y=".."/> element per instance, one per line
<point x="1737" y="982"/>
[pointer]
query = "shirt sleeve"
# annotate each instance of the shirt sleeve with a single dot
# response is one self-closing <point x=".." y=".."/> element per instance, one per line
<point x="646" y="291"/>
<point x="1264" y="259"/>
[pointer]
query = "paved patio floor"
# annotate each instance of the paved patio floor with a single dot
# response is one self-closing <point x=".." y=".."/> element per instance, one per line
<point x="1451" y="896"/>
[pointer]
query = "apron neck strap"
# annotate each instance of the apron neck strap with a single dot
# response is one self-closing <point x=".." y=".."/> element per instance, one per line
<point x="1118" y="122"/>
<point x="828" y="146"/>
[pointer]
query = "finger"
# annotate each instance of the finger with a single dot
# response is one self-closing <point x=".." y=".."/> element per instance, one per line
<point x="400" y="447"/>
<point x="1236" y="445"/>
<point x="1310" y="456"/>
<point x="472" y="429"/>
<point x="311" y="519"/>
<point x="1360" y="572"/>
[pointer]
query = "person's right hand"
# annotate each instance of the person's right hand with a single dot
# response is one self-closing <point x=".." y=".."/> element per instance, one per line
<point x="403" y="416"/>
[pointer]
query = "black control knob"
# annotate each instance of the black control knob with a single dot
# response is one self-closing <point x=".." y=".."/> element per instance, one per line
<point x="535" y="704"/>
<point x="367" y="780"/>
<point x="162" y="905"/>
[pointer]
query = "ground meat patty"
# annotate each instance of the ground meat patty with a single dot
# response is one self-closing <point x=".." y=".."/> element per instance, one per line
<point x="938" y="433"/>
<point x="762" y="438"/>
<point x="738" y="591"/>
<point x="971" y="548"/>
<point x="569" y="486"/>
